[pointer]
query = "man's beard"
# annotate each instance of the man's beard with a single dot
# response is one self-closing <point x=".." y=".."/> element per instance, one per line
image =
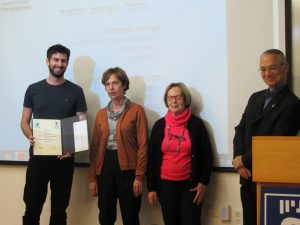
<point x="56" y="75"/>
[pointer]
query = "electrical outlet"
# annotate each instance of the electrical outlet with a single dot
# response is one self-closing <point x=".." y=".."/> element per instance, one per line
<point x="238" y="216"/>
<point x="225" y="212"/>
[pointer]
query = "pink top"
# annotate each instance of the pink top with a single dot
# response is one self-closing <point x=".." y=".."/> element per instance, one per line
<point x="176" y="148"/>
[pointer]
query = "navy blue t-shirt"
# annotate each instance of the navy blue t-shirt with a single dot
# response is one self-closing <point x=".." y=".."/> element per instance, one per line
<point x="54" y="102"/>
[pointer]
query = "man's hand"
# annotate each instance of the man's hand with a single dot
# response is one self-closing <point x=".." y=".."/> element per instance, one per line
<point x="237" y="162"/>
<point x="244" y="172"/>
<point x="31" y="140"/>
<point x="64" y="156"/>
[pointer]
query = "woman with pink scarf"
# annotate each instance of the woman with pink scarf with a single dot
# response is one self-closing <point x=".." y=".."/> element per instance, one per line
<point x="179" y="160"/>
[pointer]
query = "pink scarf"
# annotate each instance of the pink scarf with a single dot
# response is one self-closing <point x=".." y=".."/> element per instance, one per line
<point x="179" y="120"/>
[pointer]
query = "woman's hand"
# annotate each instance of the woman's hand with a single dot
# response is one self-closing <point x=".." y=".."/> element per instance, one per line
<point x="200" y="191"/>
<point x="152" y="197"/>
<point x="93" y="189"/>
<point x="137" y="187"/>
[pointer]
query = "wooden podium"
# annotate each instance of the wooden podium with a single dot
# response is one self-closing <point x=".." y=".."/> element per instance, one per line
<point x="276" y="163"/>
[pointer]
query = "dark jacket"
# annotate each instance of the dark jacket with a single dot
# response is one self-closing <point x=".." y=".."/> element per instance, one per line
<point x="281" y="117"/>
<point x="201" y="153"/>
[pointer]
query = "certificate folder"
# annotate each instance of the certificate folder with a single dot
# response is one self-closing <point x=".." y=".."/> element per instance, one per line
<point x="55" y="137"/>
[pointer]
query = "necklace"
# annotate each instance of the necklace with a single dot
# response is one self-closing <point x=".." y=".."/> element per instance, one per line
<point x="116" y="107"/>
<point x="178" y="137"/>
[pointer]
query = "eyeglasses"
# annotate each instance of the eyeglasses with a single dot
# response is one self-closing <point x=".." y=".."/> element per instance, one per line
<point x="176" y="97"/>
<point x="270" y="69"/>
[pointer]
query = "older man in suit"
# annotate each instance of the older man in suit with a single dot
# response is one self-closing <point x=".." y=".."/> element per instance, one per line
<point x="271" y="112"/>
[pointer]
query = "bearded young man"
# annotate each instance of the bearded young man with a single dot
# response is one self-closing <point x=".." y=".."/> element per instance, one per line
<point x="51" y="98"/>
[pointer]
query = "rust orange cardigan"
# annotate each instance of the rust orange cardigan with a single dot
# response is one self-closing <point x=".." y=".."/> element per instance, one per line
<point x="131" y="137"/>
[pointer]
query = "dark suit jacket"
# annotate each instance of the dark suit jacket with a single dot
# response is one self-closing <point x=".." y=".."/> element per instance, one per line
<point x="281" y="117"/>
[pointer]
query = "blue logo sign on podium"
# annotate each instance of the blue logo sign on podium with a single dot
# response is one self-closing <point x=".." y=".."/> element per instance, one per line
<point x="280" y="205"/>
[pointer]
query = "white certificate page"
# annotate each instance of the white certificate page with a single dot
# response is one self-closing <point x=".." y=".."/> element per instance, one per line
<point x="47" y="136"/>
<point x="80" y="136"/>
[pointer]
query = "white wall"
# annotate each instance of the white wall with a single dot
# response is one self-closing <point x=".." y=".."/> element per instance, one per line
<point x="83" y="210"/>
